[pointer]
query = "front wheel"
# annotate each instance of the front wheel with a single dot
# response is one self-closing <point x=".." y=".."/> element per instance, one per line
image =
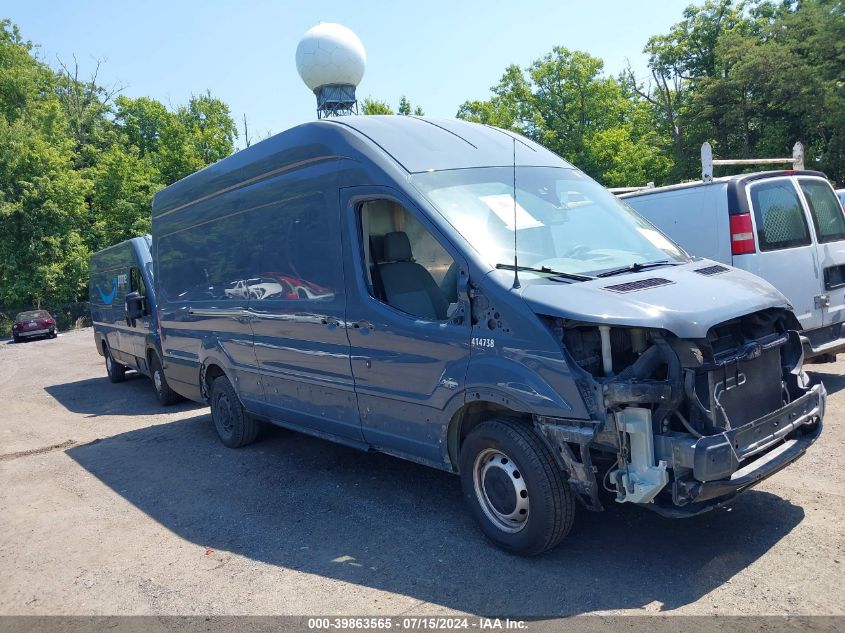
<point x="234" y="425"/>
<point x="515" y="488"/>
<point x="166" y="396"/>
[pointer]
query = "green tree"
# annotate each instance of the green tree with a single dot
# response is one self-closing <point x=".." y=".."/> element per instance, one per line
<point x="78" y="172"/>
<point x="42" y="197"/>
<point x="143" y="121"/>
<point x="406" y="108"/>
<point x="564" y="102"/>
<point x="43" y="211"/>
<point x="751" y="77"/>
<point x="679" y="60"/>
<point x="210" y="127"/>
<point x="373" y="106"/>
<point x="124" y="185"/>
<point x="780" y="81"/>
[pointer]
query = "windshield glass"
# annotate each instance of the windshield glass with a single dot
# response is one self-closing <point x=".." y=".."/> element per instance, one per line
<point x="564" y="220"/>
<point x="34" y="314"/>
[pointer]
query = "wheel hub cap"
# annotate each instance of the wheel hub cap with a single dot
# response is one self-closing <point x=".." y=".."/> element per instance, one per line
<point x="501" y="490"/>
<point x="224" y="414"/>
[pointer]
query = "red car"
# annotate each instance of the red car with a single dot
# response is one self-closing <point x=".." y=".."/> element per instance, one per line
<point x="33" y="323"/>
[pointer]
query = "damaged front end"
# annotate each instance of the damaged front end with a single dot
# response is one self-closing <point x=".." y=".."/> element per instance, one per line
<point x="683" y="425"/>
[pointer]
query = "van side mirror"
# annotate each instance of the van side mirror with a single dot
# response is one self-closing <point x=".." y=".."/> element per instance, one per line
<point x="134" y="306"/>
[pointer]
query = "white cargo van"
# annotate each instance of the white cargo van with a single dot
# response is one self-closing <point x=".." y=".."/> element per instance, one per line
<point x="787" y="227"/>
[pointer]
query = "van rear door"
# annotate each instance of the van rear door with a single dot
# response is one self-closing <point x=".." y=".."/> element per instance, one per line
<point x="786" y="253"/>
<point x="829" y="226"/>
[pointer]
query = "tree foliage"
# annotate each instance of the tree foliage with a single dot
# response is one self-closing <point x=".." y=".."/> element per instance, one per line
<point x="565" y="102"/>
<point x="752" y="77"/>
<point x="78" y="168"/>
<point x="374" y="106"/>
<point x="80" y="163"/>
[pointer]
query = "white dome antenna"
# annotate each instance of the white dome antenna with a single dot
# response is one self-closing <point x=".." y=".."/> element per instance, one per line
<point x="331" y="60"/>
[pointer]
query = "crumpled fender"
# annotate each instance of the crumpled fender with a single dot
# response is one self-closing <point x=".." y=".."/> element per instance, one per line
<point x="509" y="383"/>
<point x="513" y="385"/>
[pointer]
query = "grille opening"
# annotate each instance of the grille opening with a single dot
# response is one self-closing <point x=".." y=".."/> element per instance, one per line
<point x="716" y="269"/>
<point x="640" y="284"/>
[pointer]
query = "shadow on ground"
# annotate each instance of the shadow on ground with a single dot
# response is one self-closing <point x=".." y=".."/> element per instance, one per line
<point x="304" y="504"/>
<point x="98" y="396"/>
<point x="23" y="341"/>
<point x="833" y="380"/>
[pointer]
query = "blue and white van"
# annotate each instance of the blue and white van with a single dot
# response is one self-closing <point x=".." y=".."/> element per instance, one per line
<point x="123" y="311"/>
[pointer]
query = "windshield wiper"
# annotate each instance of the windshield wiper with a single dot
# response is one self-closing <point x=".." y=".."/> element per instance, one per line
<point x="547" y="270"/>
<point x="637" y="267"/>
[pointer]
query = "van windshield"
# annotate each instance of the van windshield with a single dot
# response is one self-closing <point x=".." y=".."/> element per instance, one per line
<point x="564" y="220"/>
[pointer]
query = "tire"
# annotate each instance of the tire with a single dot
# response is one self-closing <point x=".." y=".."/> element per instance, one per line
<point x="234" y="426"/>
<point x="514" y="487"/>
<point x="115" y="371"/>
<point x="166" y="396"/>
<point x="53" y="334"/>
<point x="16" y="338"/>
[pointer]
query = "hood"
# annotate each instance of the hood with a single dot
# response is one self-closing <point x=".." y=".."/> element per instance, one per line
<point x="675" y="298"/>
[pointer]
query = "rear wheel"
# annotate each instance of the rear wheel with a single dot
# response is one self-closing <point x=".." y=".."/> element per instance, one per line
<point x="166" y="396"/>
<point x="53" y="334"/>
<point x="116" y="371"/>
<point x="235" y="426"/>
<point x="16" y="338"/>
<point x="515" y="488"/>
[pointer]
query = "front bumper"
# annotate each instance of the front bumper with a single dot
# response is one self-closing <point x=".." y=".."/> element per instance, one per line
<point x="726" y="464"/>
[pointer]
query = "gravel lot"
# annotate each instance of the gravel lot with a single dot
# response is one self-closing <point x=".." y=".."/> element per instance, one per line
<point x="110" y="504"/>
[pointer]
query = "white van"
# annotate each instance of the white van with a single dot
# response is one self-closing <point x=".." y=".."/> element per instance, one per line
<point x="787" y="227"/>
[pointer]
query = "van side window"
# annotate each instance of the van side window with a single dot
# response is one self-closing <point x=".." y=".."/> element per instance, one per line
<point x="780" y="218"/>
<point x="284" y="250"/>
<point x="299" y="251"/>
<point x="136" y="282"/>
<point x="406" y="267"/>
<point x="827" y="213"/>
<point x="210" y="261"/>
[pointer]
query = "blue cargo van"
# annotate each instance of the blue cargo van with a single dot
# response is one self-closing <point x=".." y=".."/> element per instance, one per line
<point x="457" y="295"/>
<point x="123" y="311"/>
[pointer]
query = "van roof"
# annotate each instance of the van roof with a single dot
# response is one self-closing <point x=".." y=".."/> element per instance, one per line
<point x="111" y="256"/>
<point x="414" y="144"/>
<point x="430" y="144"/>
<point x="145" y="241"/>
<point x="737" y="178"/>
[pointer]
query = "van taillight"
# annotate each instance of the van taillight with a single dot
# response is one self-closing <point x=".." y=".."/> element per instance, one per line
<point x="742" y="235"/>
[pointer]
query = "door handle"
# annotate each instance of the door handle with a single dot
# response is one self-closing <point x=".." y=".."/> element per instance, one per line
<point x="331" y="322"/>
<point x="365" y="326"/>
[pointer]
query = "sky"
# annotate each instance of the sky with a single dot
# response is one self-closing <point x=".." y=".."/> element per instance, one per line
<point x="438" y="53"/>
